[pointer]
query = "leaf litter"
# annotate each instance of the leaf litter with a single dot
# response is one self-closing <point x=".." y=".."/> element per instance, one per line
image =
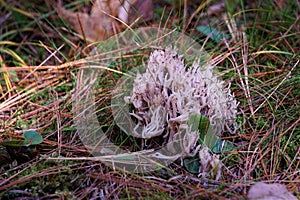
<point x="106" y="17"/>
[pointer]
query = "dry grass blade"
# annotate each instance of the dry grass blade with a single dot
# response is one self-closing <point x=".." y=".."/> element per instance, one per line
<point x="276" y="88"/>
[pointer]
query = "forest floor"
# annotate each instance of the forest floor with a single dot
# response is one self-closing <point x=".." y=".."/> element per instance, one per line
<point x="255" y="45"/>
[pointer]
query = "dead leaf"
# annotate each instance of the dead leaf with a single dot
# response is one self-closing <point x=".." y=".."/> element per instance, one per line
<point x="216" y="9"/>
<point x="103" y="22"/>
<point x="98" y="25"/>
<point x="132" y="10"/>
<point x="263" y="191"/>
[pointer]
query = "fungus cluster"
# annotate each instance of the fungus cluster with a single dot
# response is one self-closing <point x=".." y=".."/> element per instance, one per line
<point x="168" y="92"/>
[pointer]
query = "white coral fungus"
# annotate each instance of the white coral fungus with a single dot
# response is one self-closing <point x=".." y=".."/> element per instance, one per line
<point x="168" y="92"/>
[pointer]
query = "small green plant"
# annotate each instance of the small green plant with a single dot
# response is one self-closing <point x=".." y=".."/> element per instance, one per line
<point x="30" y="138"/>
<point x="200" y="123"/>
<point x="213" y="33"/>
<point x="207" y="138"/>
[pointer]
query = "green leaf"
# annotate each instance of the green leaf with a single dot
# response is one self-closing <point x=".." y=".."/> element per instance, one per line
<point x="192" y="164"/>
<point x="223" y="147"/>
<point x="210" y="138"/>
<point x="12" y="143"/>
<point x="32" y="138"/>
<point x="200" y="123"/>
<point x="213" y="33"/>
